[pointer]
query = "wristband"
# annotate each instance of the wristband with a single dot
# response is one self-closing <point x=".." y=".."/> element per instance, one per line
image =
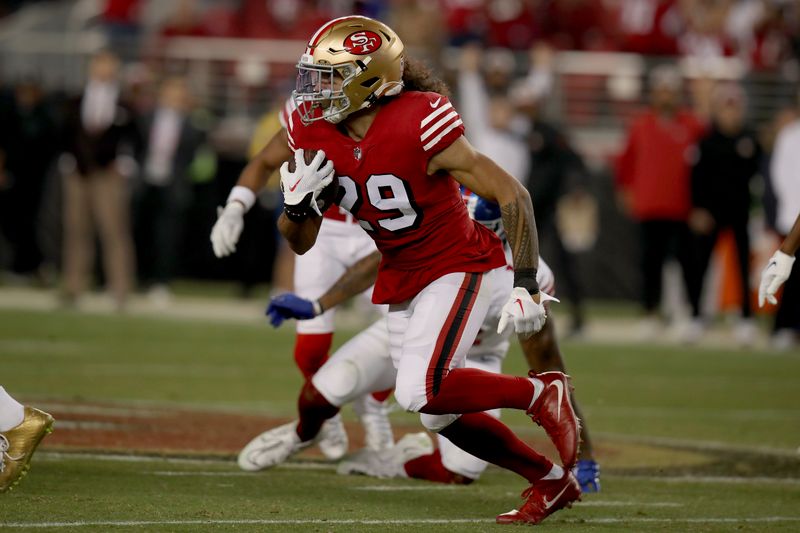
<point x="317" y="307"/>
<point x="295" y="214"/>
<point x="243" y="195"/>
<point x="526" y="278"/>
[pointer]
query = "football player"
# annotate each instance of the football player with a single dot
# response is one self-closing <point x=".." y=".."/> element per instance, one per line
<point x="21" y="430"/>
<point x="398" y="148"/>
<point x="350" y="368"/>
<point x="779" y="267"/>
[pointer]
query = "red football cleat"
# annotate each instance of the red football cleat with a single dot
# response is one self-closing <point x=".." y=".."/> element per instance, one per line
<point x="542" y="499"/>
<point x="553" y="411"/>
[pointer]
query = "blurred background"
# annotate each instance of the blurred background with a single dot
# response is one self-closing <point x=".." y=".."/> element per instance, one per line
<point x="644" y="130"/>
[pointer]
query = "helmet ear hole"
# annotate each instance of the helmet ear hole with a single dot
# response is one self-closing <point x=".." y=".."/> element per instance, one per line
<point x="370" y="82"/>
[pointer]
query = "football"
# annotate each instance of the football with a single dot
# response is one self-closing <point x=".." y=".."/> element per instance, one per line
<point x="328" y="195"/>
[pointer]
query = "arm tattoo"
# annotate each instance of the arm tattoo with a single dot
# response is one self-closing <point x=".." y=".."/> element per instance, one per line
<point x="355" y="280"/>
<point x="520" y="229"/>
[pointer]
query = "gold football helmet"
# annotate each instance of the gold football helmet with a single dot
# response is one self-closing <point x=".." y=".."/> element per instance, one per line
<point x="349" y="63"/>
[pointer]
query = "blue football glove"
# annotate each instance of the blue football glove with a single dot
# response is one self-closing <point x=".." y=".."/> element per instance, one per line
<point x="290" y="306"/>
<point x="587" y="472"/>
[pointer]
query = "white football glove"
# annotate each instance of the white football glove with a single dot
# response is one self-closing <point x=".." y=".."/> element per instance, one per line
<point x="226" y="231"/>
<point x="772" y="277"/>
<point x="305" y="180"/>
<point x="521" y="313"/>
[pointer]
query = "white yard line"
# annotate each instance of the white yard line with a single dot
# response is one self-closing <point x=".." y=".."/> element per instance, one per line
<point x="732" y="480"/>
<point x="137" y="407"/>
<point x="697" y="445"/>
<point x="179" y="473"/>
<point x="612" y="503"/>
<point x="399" y="488"/>
<point x="720" y="413"/>
<point x="130" y="458"/>
<point x="308" y="465"/>
<point x="420" y="521"/>
<point x="125" y="458"/>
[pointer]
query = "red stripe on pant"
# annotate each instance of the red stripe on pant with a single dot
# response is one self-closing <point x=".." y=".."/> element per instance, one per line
<point x="450" y="334"/>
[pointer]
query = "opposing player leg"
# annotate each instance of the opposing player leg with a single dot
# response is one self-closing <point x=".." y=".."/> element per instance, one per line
<point x="314" y="273"/>
<point x="373" y="411"/>
<point x="359" y="367"/>
<point x="341" y="244"/>
<point x="21" y="430"/>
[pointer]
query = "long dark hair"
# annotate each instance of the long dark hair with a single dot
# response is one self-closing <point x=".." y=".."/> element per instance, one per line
<point x="417" y="76"/>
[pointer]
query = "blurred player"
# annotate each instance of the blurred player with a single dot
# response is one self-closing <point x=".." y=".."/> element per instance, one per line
<point x="314" y="272"/>
<point x="779" y="267"/>
<point x="399" y="151"/>
<point x="21" y="430"/>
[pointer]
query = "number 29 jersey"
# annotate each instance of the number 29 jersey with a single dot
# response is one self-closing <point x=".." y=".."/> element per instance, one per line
<point x="419" y="222"/>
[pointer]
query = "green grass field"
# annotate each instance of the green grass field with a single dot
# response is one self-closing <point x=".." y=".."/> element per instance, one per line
<point x="689" y="439"/>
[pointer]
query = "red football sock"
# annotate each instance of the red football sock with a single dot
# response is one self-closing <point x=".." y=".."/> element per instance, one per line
<point x="431" y="468"/>
<point x="469" y="390"/>
<point x="311" y="352"/>
<point x="314" y="410"/>
<point x="489" y="439"/>
<point x="381" y="396"/>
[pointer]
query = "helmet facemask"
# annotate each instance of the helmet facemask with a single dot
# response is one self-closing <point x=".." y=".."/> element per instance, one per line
<point x="319" y="93"/>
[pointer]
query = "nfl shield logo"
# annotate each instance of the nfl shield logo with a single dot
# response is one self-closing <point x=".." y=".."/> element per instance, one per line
<point x="357" y="153"/>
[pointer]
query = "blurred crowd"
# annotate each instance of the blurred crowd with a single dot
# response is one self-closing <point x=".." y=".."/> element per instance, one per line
<point x="764" y="33"/>
<point x="135" y="165"/>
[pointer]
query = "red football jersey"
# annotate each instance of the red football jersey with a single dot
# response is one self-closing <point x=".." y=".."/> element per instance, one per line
<point x="419" y="222"/>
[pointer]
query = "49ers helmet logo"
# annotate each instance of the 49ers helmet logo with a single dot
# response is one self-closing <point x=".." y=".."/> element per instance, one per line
<point x="362" y="42"/>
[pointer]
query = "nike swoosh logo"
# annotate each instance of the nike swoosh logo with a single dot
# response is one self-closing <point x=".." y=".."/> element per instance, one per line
<point x="435" y="104"/>
<point x="772" y="263"/>
<point x="560" y="387"/>
<point x="293" y="187"/>
<point x="549" y="504"/>
<point x="522" y="310"/>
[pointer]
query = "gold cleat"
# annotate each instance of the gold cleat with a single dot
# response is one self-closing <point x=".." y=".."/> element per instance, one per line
<point x="18" y="444"/>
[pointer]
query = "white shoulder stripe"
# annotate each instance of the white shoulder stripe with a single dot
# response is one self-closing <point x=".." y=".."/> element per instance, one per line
<point x="431" y="130"/>
<point x="439" y="137"/>
<point x="289" y="109"/>
<point x="435" y="114"/>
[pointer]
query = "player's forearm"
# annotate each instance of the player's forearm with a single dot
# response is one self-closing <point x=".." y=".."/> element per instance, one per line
<point x="520" y="227"/>
<point x="258" y="171"/>
<point x="792" y="242"/>
<point x="301" y="236"/>
<point x="255" y="175"/>
<point x="487" y="179"/>
<point x="355" y="280"/>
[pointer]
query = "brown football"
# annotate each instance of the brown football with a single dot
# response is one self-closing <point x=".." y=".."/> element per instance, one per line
<point x="308" y="157"/>
<point x="328" y="195"/>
